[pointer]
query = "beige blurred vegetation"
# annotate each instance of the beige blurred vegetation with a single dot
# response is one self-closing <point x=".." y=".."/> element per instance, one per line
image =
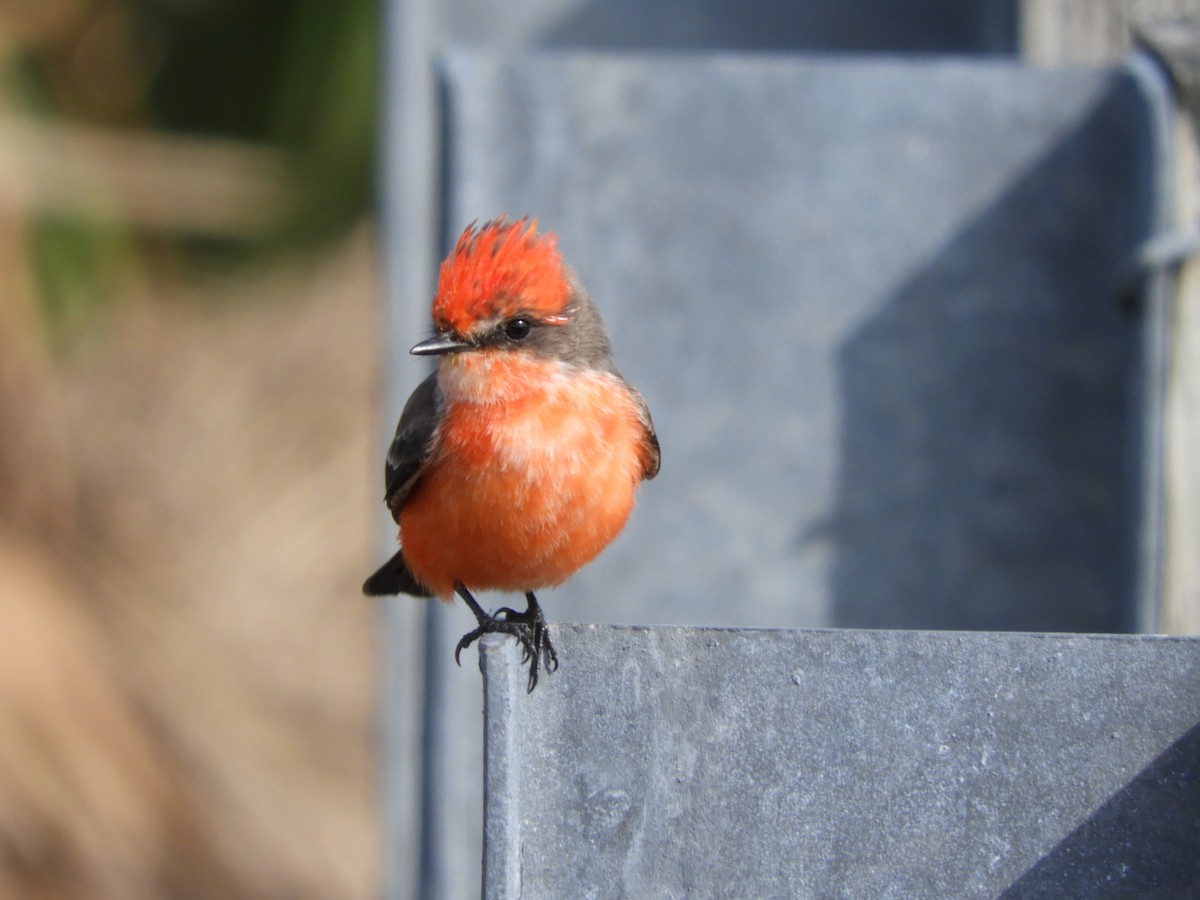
<point x="186" y="371"/>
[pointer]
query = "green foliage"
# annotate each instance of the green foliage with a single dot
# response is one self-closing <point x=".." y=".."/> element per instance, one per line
<point x="297" y="75"/>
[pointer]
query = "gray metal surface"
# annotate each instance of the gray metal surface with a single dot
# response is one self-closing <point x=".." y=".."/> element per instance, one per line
<point x="670" y="762"/>
<point x="875" y="307"/>
<point x="876" y="310"/>
<point x="429" y="814"/>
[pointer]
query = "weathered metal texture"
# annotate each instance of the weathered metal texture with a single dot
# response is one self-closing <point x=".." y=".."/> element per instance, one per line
<point x="430" y="813"/>
<point x="673" y="762"/>
<point x="879" y="311"/>
<point x="424" y="822"/>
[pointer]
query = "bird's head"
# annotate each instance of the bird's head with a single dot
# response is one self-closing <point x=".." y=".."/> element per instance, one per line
<point x="505" y="289"/>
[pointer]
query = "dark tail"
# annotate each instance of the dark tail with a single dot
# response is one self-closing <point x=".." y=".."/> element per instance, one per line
<point x="393" y="577"/>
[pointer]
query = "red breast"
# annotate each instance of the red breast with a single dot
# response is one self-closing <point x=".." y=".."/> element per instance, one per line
<point x="534" y="468"/>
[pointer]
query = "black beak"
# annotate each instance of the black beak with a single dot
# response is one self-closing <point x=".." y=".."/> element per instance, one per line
<point x="439" y="344"/>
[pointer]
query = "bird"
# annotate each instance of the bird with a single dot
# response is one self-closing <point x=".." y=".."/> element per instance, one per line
<point x="517" y="461"/>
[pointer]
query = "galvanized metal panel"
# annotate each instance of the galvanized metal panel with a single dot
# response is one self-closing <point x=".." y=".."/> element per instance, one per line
<point x="876" y="309"/>
<point x="874" y="306"/>
<point x="675" y="762"/>
<point x="426" y="822"/>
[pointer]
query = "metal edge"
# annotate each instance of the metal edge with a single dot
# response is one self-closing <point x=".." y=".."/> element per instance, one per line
<point x="1154" y="85"/>
<point x="502" y="685"/>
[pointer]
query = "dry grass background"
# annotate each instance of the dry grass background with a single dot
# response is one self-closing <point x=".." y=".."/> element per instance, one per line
<point x="186" y="663"/>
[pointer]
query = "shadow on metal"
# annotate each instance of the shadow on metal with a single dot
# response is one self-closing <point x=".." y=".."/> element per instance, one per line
<point x="1141" y="843"/>
<point x="991" y="442"/>
<point x="865" y="26"/>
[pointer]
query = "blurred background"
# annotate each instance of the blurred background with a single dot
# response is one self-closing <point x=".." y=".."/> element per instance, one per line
<point x="187" y="469"/>
<point x="189" y="419"/>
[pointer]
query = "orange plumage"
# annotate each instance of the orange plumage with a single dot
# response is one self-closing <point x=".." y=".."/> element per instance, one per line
<point x="520" y="500"/>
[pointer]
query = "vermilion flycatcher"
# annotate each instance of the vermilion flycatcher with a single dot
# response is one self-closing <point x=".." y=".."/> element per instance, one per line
<point x="517" y="461"/>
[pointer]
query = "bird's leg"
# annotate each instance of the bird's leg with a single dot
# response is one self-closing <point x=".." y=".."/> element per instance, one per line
<point x="535" y="620"/>
<point x="529" y="631"/>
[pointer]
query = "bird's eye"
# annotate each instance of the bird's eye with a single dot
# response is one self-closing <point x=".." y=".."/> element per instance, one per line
<point x="518" y="329"/>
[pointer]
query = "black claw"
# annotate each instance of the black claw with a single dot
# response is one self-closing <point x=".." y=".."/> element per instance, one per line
<point x="464" y="642"/>
<point x="528" y="627"/>
<point x="491" y="625"/>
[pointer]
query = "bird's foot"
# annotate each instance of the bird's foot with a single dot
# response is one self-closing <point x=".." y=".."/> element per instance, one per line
<point x="493" y="625"/>
<point x="539" y="646"/>
<point x="528" y="627"/>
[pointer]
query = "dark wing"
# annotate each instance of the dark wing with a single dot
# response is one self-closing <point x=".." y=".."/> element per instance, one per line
<point x="394" y="578"/>
<point x="652" y="454"/>
<point x="406" y="458"/>
<point x="412" y="444"/>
